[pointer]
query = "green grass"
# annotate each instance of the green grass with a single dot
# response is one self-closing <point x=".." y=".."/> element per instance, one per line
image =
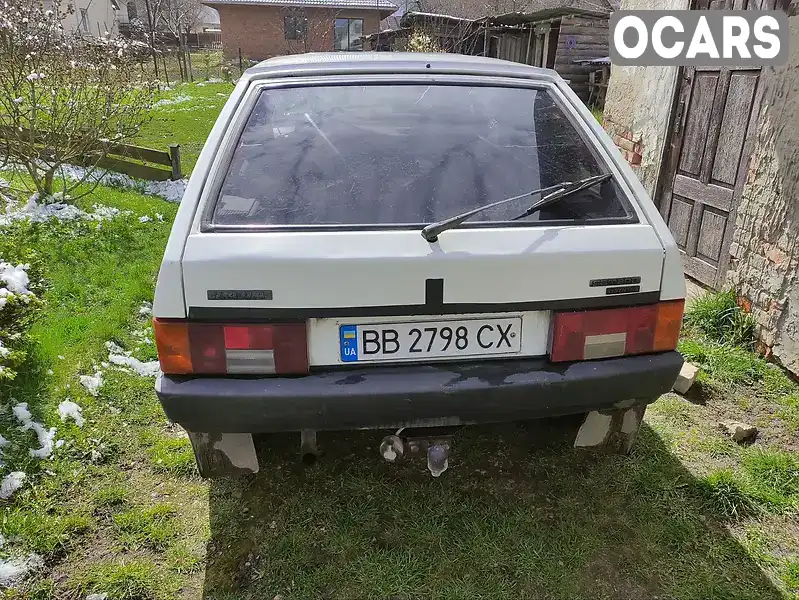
<point x="673" y="408"/>
<point x="598" y="114"/>
<point x="44" y="533"/>
<point x="720" y="319"/>
<point x="788" y="411"/>
<point x="126" y="580"/>
<point x="172" y="455"/>
<point x="791" y="576"/>
<point x="726" y="364"/>
<point x="153" y="527"/>
<point x="111" y="496"/>
<point x="187" y="123"/>
<point x="775" y="477"/>
<point x="727" y="495"/>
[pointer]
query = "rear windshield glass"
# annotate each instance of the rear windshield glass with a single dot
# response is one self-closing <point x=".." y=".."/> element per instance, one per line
<point x="406" y="154"/>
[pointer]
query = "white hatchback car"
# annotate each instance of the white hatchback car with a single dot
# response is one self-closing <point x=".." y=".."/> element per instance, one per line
<point x="379" y="240"/>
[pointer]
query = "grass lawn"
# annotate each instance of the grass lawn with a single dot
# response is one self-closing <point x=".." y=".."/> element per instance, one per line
<point x="186" y="122"/>
<point x="520" y="514"/>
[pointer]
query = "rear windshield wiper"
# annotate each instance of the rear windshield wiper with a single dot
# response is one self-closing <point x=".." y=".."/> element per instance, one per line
<point x="553" y="194"/>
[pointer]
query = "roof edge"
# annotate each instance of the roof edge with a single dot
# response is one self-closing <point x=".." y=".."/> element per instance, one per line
<point x="344" y="6"/>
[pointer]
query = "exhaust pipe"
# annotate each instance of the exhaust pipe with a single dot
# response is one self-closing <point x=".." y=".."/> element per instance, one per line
<point x="437" y="459"/>
<point x="392" y="448"/>
<point x="436" y="445"/>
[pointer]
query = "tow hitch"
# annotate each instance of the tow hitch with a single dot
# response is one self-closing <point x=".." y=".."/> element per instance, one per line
<point x="397" y="448"/>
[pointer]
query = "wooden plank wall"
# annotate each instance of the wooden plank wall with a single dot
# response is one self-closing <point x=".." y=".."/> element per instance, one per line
<point x="513" y="47"/>
<point x="580" y="37"/>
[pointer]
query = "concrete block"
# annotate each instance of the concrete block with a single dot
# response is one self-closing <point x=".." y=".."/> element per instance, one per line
<point x="739" y="432"/>
<point x="686" y="378"/>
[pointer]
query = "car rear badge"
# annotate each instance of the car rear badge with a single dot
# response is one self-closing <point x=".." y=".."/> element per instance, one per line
<point x="239" y="294"/>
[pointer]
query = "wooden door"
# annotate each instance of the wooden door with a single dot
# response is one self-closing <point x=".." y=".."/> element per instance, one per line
<point x="708" y="154"/>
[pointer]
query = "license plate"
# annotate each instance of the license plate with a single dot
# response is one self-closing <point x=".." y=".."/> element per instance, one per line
<point x="430" y="339"/>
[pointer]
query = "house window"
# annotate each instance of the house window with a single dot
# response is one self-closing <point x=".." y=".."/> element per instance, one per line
<point x="132" y="14"/>
<point x="84" y="20"/>
<point x="295" y="25"/>
<point x="348" y="34"/>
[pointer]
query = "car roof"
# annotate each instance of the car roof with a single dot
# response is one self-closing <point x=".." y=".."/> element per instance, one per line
<point x="328" y="63"/>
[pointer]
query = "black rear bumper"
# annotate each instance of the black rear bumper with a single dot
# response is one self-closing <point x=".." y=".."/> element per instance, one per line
<point x="496" y="391"/>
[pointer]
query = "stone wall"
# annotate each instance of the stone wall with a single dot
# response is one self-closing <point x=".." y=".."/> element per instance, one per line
<point x="765" y="247"/>
<point x="638" y="106"/>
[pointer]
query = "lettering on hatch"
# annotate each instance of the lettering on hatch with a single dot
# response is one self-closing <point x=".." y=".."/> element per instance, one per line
<point x="239" y="294"/>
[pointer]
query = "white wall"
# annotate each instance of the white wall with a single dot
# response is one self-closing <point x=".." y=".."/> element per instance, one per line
<point x="99" y="13"/>
<point x="639" y="101"/>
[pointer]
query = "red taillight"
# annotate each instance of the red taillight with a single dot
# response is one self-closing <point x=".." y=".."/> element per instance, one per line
<point x="612" y="332"/>
<point x="209" y="348"/>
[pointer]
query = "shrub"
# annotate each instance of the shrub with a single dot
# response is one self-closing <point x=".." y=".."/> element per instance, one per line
<point x="18" y="304"/>
<point x="422" y="42"/>
<point x="718" y="316"/>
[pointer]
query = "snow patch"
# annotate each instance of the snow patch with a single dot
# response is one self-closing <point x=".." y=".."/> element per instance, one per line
<point x="122" y="358"/>
<point x="92" y="383"/>
<point x="37" y="211"/>
<point x="68" y="409"/>
<point x="114" y="348"/>
<point x="171" y="191"/>
<point x="14" y="283"/>
<point x="13" y="570"/>
<point x="21" y="412"/>
<point x="144" y="369"/>
<point x="102" y="596"/>
<point x="44" y="435"/>
<point x="146" y="309"/>
<point x="144" y="219"/>
<point x="169" y="101"/>
<point x="11" y="483"/>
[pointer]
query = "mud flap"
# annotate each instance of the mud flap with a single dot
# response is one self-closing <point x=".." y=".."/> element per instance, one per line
<point x="224" y="454"/>
<point x="612" y="431"/>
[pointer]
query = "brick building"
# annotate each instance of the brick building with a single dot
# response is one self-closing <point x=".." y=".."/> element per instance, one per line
<point x="266" y="28"/>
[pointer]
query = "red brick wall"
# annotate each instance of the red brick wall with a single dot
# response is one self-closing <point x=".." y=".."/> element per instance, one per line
<point x="631" y="147"/>
<point x="258" y="30"/>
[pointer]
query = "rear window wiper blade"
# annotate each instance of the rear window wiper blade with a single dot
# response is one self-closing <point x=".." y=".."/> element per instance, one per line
<point x="553" y="194"/>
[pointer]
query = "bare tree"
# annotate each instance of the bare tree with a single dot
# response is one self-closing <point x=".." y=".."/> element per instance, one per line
<point x="306" y="30"/>
<point x="179" y="16"/>
<point x="64" y="100"/>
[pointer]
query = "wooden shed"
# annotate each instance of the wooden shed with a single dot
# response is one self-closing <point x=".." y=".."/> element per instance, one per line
<point x="564" y="39"/>
<point x="564" y="35"/>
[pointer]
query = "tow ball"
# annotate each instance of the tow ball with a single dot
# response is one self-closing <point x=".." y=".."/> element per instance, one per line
<point x="397" y="448"/>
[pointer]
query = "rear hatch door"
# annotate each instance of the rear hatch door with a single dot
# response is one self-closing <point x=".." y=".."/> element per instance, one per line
<point x="317" y="210"/>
